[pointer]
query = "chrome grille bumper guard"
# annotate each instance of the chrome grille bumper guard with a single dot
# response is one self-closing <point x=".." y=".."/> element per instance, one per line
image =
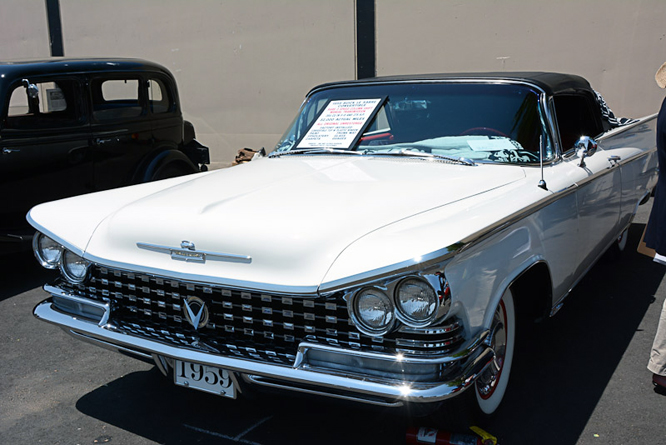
<point x="458" y="370"/>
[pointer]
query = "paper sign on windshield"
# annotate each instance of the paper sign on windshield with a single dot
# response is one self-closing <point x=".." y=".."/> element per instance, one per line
<point x="339" y="124"/>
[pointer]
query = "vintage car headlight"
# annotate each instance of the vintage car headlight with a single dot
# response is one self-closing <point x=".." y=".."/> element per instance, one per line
<point x="47" y="251"/>
<point x="373" y="311"/>
<point x="416" y="302"/>
<point x="73" y="267"/>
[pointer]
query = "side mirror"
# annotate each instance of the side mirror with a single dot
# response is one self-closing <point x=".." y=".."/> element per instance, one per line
<point x="585" y="147"/>
<point x="31" y="89"/>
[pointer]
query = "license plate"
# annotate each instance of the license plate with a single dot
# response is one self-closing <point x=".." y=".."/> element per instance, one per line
<point x="204" y="378"/>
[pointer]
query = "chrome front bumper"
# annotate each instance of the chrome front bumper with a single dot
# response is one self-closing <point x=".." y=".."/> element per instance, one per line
<point x="471" y="359"/>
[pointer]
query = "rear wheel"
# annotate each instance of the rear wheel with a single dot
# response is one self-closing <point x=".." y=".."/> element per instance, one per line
<point x="614" y="252"/>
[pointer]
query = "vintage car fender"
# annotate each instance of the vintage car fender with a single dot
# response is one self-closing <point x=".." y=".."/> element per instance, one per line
<point x="55" y="219"/>
<point x="155" y="169"/>
<point x="476" y="246"/>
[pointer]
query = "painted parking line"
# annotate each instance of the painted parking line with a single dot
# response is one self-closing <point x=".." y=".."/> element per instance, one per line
<point x="238" y="438"/>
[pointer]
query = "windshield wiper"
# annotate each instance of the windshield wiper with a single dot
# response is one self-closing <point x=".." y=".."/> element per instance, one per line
<point x="335" y="151"/>
<point x="420" y="154"/>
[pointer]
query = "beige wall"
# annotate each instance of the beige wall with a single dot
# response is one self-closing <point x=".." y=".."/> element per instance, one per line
<point x="243" y="66"/>
<point x="24" y="29"/>
<point x="617" y="45"/>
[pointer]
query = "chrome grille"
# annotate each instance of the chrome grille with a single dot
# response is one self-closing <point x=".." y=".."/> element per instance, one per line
<point x="247" y="324"/>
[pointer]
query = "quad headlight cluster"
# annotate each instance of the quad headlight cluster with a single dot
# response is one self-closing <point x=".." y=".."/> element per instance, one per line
<point x="52" y="255"/>
<point x="412" y="301"/>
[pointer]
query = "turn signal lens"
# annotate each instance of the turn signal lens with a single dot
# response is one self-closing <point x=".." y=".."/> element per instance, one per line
<point x="416" y="302"/>
<point x="73" y="267"/>
<point x="47" y="251"/>
<point x="373" y="311"/>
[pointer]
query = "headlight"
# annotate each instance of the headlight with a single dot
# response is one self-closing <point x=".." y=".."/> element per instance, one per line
<point x="373" y="311"/>
<point x="73" y="267"/>
<point x="47" y="251"/>
<point x="416" y="302"/>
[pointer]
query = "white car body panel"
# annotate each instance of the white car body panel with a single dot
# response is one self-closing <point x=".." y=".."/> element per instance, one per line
<point x="292" y="216"/>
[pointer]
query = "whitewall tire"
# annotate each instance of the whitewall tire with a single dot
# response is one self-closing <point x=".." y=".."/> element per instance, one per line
<point x="491" y="385"/>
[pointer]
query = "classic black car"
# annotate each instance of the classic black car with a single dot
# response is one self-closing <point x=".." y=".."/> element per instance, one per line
<point x="73" y="126"/>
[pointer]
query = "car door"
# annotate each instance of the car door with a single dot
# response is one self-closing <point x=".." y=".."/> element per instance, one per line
<point x="637" y="165"/>
<point x="166" y="118"/>
<point x="120" y="126"/>
<point x="597" y="178"/>
<point x="45" y="143"/>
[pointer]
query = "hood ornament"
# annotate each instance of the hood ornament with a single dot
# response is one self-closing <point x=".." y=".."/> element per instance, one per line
<point x="188" y="252"/>
<point x="187" y="245"/>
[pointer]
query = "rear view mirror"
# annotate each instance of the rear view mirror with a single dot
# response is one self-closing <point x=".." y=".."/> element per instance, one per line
<point x="585" y="147"/>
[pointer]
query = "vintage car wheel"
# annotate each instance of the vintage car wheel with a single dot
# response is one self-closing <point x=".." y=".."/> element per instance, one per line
<point x="171" y="170"/>
<point x="484" y="398"/>
<point x="614" y="252"/>
<point x="491" y="386"/>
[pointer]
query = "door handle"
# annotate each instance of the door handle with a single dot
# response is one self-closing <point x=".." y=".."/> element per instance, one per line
<point x="99" y="141"/>
<point x="615" y="160"/>
<point x="6" y="151"/>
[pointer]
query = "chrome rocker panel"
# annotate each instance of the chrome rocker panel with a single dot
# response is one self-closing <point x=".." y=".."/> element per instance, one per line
<point x="473" y="357"/>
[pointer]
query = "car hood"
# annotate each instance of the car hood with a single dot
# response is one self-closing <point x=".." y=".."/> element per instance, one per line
<point x="290" y="217"/>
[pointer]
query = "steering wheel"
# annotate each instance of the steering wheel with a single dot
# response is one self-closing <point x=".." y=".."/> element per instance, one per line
<point x="483" y="131"/>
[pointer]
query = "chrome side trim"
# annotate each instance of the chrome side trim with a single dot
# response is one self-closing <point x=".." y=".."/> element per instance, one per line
<point x="622" y="129"/>
<point x="471" y="365"/>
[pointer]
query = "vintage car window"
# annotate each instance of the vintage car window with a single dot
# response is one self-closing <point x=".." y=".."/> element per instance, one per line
<point x="576" y="117"/>
<point x="481" y="122"/>
<point x="116" y="99"/>
<point x="159" y="98"/>
<point x="55" y="105"/>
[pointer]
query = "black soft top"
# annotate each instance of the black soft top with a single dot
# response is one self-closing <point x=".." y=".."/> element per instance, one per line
<point x="550" y="83"/>
<point x="10" y="70"/>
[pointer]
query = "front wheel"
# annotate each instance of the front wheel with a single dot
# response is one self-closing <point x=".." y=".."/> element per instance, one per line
<point x="491" y="385"/>
<point x="484" y="397"/>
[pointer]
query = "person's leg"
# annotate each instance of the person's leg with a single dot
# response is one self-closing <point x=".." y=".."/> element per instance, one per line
<point x="657" y="363"/>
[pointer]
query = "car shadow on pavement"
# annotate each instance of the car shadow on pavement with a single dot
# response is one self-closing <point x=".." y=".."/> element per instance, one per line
<point x="20" y="272"/>
<point x="148" y="405"/>
<point x="557" y="382"/>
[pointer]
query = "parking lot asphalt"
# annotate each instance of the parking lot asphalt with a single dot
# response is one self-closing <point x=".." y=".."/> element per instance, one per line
<point x="582" y="381"/>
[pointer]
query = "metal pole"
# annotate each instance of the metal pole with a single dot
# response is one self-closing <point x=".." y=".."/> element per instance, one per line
<point x="365" y="39"/>
<point x="55" y="28"/>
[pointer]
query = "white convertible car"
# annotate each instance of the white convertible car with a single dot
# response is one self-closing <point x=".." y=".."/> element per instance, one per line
<point x="384" y="252"/>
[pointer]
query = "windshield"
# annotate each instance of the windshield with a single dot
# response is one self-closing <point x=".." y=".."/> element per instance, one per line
<point x="471" y="121"/>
